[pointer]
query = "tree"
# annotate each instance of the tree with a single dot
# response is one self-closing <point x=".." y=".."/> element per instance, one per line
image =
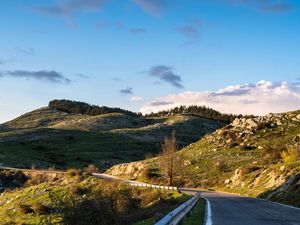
<point x="169" y="161"/>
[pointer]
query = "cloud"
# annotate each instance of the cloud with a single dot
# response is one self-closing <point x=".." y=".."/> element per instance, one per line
<point x="136" y="98"/>
<point x="68" y="7"/>
<point x="165" y="73"/>
<point x="138" y="30"/>
<point x="191" y="29"/>
<point x="263" y="5"/>
<point x="42" y="75"/>
<point x="83" y="76"/>
<point x="29" y="51"/>
<point x="153" y="7"/>
<point x="127" y="91"/>
<point x="258" y="98"/>
<point x="117" y="79"/>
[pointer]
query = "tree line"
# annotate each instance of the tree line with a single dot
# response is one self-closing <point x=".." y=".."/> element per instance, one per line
<point x="202" y="111"/>
<point x="69" y="106"/>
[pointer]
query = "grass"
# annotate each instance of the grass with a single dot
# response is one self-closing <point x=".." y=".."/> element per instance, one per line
<point x="197" y="214"/>
<point x="47" y="138"/>
<point x="176" y="196"/>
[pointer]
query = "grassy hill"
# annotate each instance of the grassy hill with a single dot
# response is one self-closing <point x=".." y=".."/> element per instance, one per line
<point x="49" y="137"/>
<point x="255" y="156"/>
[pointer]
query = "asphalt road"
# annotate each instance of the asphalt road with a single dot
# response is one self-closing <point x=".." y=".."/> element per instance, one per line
<point x="229" y="209"/>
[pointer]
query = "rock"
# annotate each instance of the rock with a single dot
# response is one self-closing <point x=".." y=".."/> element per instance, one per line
<point x="251" y="124"/>
<point x="228" y="181"/>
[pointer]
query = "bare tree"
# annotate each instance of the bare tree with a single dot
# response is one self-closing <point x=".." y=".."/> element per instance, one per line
<point x="169" y="161"/>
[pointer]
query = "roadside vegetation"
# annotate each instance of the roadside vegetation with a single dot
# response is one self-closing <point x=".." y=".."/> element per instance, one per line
<point x="77" y="198"/>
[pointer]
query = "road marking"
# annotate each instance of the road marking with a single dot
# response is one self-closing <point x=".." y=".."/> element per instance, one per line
<point x="208" y="220"/>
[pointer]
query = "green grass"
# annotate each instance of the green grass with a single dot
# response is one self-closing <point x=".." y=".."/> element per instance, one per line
<point x="180" y="198"/>
<point x="197" y="214"/>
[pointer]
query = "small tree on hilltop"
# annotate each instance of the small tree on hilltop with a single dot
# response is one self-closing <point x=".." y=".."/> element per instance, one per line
<point x="170" y="162"/>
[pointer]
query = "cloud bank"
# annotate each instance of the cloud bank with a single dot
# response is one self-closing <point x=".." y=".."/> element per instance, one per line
<point x="259" y="98"/>
<point x="42" y="75"/>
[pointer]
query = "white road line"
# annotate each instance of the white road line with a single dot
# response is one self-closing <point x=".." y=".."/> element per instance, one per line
<point x="208" y="220"/>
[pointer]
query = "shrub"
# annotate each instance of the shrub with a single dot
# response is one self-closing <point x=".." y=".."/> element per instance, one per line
<point x="249" y="169"/>
<point x="272" y="154"/>
<point x="41" y="209"/>
<point x="91" y="169"/>
<point x="221" y="166"/>
<point x="74" y="172"/>
<point x="291" y="155"/>
<point x="25" y="209"/>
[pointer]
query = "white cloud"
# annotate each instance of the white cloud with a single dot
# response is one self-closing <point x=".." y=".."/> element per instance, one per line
<point x="136" y="98"/>
<point x="260" y="98"/>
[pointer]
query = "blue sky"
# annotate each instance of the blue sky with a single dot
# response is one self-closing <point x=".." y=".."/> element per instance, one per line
<point x="136" y="54"/>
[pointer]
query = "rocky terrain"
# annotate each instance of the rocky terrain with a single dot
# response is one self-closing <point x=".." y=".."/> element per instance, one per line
<point x="255" y="156"/>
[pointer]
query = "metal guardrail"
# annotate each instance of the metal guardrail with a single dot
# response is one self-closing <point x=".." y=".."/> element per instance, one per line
<point x="177" y="215"/>
<point x="152" y="186"/>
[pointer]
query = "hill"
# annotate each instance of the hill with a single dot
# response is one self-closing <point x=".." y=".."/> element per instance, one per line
<point x="66" y="134"/>
<point x="255" y="156"/>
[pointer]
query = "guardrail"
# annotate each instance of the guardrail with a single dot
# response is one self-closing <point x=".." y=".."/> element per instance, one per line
<point x="153" y="186"/>
<point x="177" y="215"/>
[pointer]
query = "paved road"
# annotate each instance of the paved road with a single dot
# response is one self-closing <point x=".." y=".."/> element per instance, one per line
<point x="229" y="209"/>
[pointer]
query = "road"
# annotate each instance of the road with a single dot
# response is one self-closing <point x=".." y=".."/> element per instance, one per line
<point x="227" y="209"/>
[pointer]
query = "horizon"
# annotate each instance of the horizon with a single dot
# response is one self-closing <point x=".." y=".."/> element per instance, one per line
<point x="237" y="57"/>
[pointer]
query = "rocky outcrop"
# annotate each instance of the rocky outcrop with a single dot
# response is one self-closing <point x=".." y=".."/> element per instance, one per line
<point x="128" y="170"/>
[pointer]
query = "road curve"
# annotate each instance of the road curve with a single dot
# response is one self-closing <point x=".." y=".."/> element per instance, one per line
<point x="227" y="209"/>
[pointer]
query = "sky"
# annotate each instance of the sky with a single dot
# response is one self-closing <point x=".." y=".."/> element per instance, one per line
<point x="236" y="56"/>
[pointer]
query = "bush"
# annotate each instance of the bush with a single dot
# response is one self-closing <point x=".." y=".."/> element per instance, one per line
<point x="25" y="209"/>
<point x="249" y="169"/>
<point x="41" y="209"/>
<point x="74" y="172"/>
<point x="291" y="155"/>
<point x="91" y="169"/>
<point x="221" y="166"/>
<point x="272" y="154"/>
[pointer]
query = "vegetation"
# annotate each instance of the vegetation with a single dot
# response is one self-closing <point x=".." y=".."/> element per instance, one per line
<point x="84" y="108"/>
<point x="52" y="138"/>
<point x="81" y="199"/>
<point x="196" y="216"/>
<point x="254" y="156"/>
<point x="169" y="162"/>
<point x="201" y="111"/>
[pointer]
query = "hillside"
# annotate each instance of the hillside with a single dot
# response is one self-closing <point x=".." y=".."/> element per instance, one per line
<point x="75" y="137"/>
<point x="77" y="198"/>
<point x="255" y="156"/>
